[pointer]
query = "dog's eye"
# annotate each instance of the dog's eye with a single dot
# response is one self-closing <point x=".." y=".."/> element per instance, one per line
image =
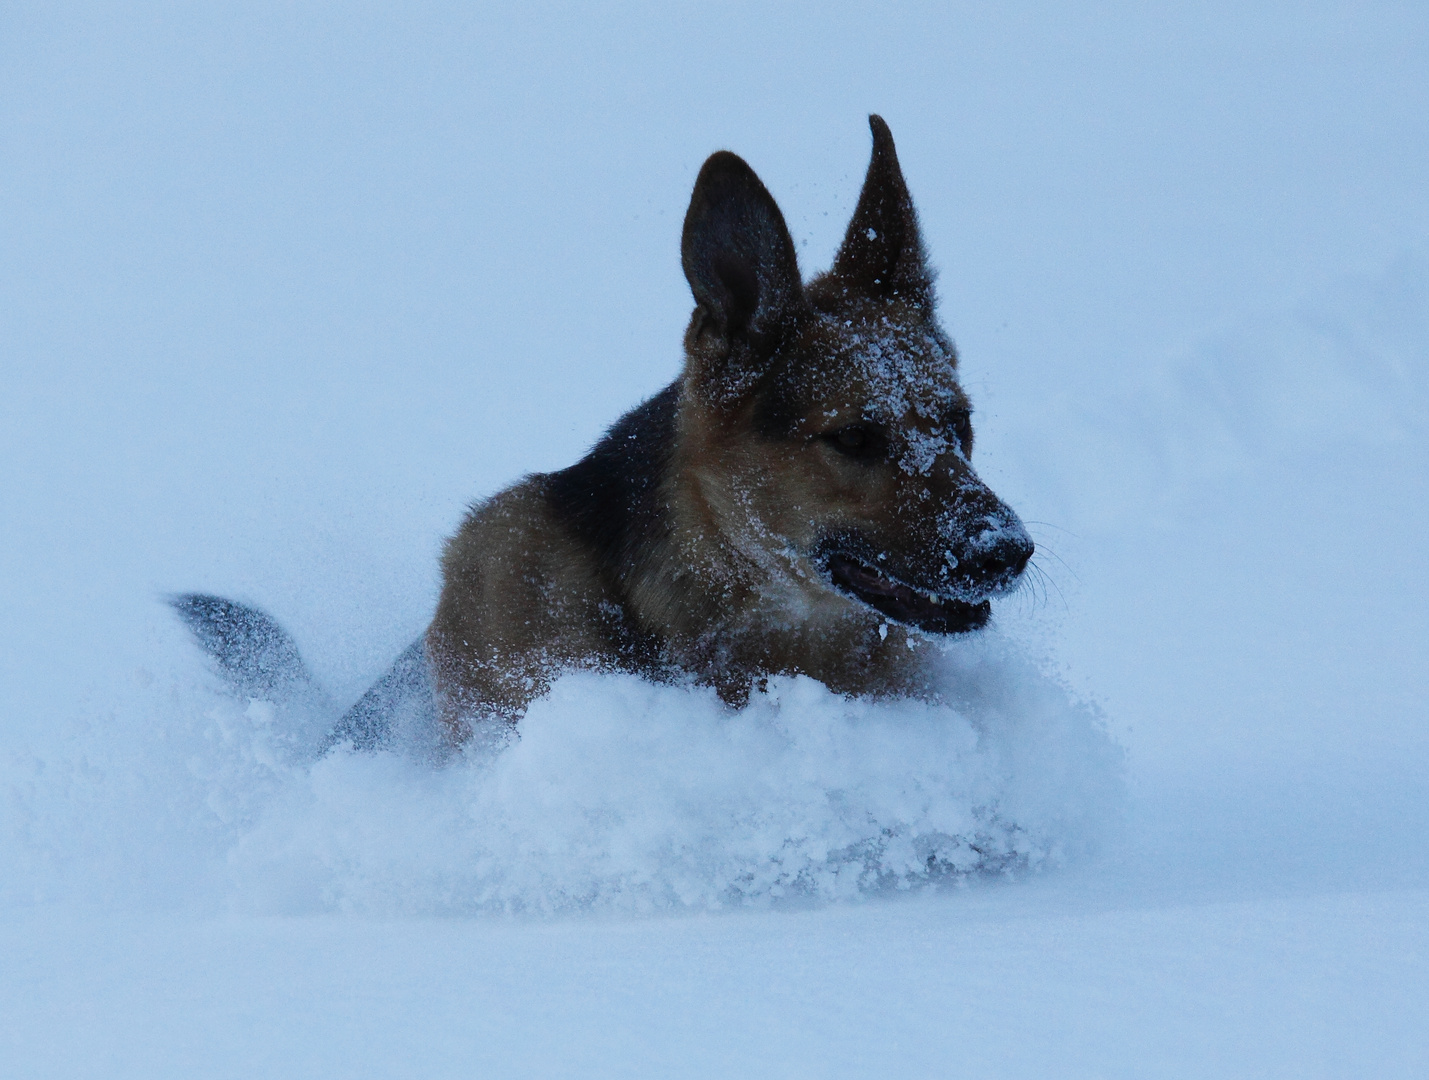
<point x="858" y="441"/>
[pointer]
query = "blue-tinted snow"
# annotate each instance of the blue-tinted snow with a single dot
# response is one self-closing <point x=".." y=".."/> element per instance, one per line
<point x="281" y="288"/>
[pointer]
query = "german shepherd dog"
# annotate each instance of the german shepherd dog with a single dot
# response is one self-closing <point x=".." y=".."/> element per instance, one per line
<point x="800" y="500"/>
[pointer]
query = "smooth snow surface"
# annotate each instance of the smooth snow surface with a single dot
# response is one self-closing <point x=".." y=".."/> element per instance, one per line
<point x="283" y="287"/>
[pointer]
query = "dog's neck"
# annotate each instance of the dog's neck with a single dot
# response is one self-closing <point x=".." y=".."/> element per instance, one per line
<point x="737" y="601"/>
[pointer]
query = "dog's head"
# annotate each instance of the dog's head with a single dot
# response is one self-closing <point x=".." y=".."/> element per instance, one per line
<point x="833" y="430"/>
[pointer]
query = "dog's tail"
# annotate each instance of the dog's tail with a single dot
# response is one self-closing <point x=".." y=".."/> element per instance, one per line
<point x="258" y="659"/>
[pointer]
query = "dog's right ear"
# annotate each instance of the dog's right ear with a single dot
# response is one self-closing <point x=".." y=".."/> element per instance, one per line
<point x="882" y="254"/>
<point x="739" y="260"/>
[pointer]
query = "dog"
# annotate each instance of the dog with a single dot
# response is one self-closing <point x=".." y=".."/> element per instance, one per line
<point x="800" y="500"/>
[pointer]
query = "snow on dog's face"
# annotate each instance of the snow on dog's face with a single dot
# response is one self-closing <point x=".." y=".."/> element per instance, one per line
<point x="881" y="432"/>
<point x="835" y="410"/>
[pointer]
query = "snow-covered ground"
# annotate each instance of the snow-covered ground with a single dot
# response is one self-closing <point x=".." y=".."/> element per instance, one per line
<point x="282" y="287"/>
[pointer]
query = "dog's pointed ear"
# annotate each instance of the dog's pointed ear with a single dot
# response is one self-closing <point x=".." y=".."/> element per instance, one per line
<point x="882" y="253"/>
<point x="739" y="260"/>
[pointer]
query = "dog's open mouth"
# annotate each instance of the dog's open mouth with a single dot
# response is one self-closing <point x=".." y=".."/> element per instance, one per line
<point x="927" y="611"/>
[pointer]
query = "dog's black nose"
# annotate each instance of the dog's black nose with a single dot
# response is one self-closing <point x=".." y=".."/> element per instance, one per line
<point x="1002" y="560"/>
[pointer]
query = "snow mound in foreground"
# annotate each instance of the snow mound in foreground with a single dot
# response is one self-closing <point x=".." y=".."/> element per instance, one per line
<point x="618" y="794"/>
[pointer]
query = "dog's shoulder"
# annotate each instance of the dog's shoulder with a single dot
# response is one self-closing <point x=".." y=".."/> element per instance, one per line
<point x="610" y="502"/>
<point x="537" y="575"/>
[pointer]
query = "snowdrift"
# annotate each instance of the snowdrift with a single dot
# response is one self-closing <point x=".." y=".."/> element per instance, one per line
<point x="616" y="794"/>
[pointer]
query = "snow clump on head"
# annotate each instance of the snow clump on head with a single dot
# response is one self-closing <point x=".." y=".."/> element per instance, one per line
<point x="909" y="374"/>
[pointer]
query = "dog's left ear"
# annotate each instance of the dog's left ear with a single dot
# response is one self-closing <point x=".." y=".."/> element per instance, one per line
<point x="739" y="260"/>
<point x="882" y="253"/>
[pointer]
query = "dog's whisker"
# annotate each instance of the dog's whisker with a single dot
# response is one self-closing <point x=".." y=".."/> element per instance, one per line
<point x="1048" y="580"/>
<point x="1041" y="579"/>
<point x="1050" y="525"/>
<point x="1045" y="549"/>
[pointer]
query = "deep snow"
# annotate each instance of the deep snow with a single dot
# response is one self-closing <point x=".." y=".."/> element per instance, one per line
<point x="617" y="795"/>
<point x="283" y="288"/>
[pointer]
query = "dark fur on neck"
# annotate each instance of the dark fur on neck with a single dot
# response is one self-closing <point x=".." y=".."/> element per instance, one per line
<point x="610" y="499"/>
